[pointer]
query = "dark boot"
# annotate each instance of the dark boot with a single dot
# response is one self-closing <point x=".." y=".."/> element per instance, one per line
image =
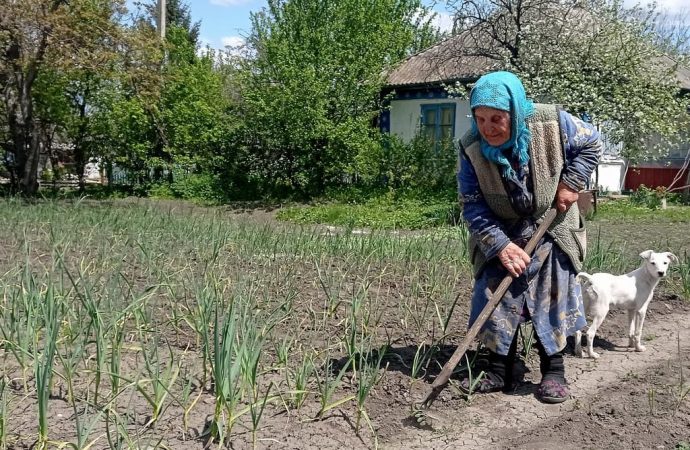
<point x="499" y="374"/>
<point x="553" y="387"/>
<point x="493" y="379"/>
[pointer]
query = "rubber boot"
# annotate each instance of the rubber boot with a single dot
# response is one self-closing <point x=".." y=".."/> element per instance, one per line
<point x="553" y="387"/>
<point x="551" y="366"/>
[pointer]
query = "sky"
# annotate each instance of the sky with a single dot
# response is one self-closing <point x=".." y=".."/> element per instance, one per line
<point x="226" y="22"/>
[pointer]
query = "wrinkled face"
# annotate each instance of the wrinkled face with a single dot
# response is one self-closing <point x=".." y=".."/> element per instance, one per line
<point x="658" y="263"/>
<point x="493" y="125"/>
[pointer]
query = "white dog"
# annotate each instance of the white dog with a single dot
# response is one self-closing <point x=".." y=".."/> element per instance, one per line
<point x="632" y="291"/>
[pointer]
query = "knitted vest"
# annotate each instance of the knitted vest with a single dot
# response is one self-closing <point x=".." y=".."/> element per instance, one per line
<point x="546" y="164"/>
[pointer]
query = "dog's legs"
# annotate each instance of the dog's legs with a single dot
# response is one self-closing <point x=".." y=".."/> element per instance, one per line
<point x="635" y="337"/>
<point x="631" y="332"/>
<point x="578" y="343"/>
<point x="592" y="331"/>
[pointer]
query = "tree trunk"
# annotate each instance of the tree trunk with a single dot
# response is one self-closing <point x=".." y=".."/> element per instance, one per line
<point x="79" y="151"/>
<point x="24" y="131"/>
<point x="29" y="181"/>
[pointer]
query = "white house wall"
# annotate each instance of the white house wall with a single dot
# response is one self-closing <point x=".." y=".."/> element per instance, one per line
<point x="405" y="116"/>
<point x="611" y="176"/>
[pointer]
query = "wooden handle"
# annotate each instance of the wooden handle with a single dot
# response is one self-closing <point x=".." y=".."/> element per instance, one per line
<point x="442" y="380"/>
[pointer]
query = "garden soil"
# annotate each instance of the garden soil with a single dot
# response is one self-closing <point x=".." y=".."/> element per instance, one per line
<point x="624" y="400"/>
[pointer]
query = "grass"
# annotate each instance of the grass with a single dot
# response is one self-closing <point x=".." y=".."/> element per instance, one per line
<point x="624" y="209"/>
<point x="381" y="212"/>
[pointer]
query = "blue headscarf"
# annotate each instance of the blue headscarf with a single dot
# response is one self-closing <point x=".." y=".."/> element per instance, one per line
<point x="504" y="91"/>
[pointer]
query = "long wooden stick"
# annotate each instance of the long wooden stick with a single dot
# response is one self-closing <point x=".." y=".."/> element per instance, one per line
<point x="442" y="380"/>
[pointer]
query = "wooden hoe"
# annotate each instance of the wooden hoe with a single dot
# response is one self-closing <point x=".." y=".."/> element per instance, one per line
<point x="442" y="379"/>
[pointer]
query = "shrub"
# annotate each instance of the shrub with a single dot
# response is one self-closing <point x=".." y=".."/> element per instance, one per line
<point x="644" y="196"/>
<point x="417" y="166"/>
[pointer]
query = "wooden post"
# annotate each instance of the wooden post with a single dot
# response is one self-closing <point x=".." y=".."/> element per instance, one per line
<point x="162" y="9"/>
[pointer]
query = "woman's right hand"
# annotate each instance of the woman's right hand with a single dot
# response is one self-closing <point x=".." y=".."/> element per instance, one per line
<point x="514" y="259"/>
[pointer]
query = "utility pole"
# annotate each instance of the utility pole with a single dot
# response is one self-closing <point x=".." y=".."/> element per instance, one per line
<point x="162" y="9"/>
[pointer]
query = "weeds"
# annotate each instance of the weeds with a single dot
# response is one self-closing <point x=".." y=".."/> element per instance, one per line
<point x="683" y="271"/>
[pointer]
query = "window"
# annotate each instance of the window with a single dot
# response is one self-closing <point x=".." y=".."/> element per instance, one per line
<point x="438" y="122"/>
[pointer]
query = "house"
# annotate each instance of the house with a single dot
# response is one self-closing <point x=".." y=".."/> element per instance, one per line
<point x="418" y="95"/>
<point x="420" y="99"/>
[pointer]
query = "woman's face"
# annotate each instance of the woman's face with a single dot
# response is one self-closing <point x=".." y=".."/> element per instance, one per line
<point x="493" y="125"/>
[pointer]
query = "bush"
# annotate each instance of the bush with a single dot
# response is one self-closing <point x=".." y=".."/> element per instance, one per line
<point x="644" y="196"/>
<point x="194" y="186"/>
<point x="417" y="166"/>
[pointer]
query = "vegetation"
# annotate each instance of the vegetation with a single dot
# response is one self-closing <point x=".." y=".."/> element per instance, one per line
<point x="159" y="317"/>
<point x="595" y="57"/>
<point x="312" y="90"/>
<point x="146" y="318"/>
<point x="292" y="114"/>
<point x="379" y="212"/>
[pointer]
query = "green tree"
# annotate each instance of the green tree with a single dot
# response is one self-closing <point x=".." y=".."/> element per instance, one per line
<point x="310" y="89"/>
<point x="186" y="119"/>
<point x="123" y="112"/>
<point x="193" y="106"/>
<point x="594" y="56"/>
<point x="38" y="36"/>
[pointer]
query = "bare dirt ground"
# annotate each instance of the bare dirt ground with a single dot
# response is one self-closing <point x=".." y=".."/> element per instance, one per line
<point x="624" y="400"/>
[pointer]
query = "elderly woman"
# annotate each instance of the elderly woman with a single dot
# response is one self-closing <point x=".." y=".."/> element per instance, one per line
<point x="518" y="160"/>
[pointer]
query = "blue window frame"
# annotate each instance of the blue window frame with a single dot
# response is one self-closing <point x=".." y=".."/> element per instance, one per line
<point x="438" y="122"/>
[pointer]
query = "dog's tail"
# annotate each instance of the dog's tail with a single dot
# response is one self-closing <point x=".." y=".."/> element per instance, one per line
<point x="588" y="291"/>
<point x="584" y="278"/>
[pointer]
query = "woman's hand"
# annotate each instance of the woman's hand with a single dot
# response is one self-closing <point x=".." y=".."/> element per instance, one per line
<point x="514" y="259"/>
<point x="565" y="196"/>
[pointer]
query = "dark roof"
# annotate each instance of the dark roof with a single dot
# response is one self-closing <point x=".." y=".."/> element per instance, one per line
<point x="683" y="76"/>
<point x="441" y="63"/>
<point x="447" y="62"/>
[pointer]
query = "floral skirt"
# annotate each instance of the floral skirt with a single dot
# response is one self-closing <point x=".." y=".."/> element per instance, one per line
<point x="546" y="292"/>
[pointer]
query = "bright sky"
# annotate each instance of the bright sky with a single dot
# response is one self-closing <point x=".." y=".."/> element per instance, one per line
<point x="225" y="22"/>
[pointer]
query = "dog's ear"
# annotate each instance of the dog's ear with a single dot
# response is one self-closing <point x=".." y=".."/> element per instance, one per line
<point x="673" y="257"/>
<point x="646" y="254"/>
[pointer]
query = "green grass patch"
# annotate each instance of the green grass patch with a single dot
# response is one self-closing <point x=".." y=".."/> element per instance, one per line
<point x="625" y="209"/>
<point x="380" y="213"/>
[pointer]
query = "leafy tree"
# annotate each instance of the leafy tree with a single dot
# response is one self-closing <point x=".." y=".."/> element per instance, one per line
<point x="182" y="125"/>
<point x="193" y="107"/>
<point x="594" y="56"/>
<point x="310" y="89"/>
<point x="38" y="36"/>
<point x="123" y="113"/>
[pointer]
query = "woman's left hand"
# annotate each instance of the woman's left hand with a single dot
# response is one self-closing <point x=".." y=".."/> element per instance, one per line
<point x="514" y="259"/>
<point x="565" y="197"/>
